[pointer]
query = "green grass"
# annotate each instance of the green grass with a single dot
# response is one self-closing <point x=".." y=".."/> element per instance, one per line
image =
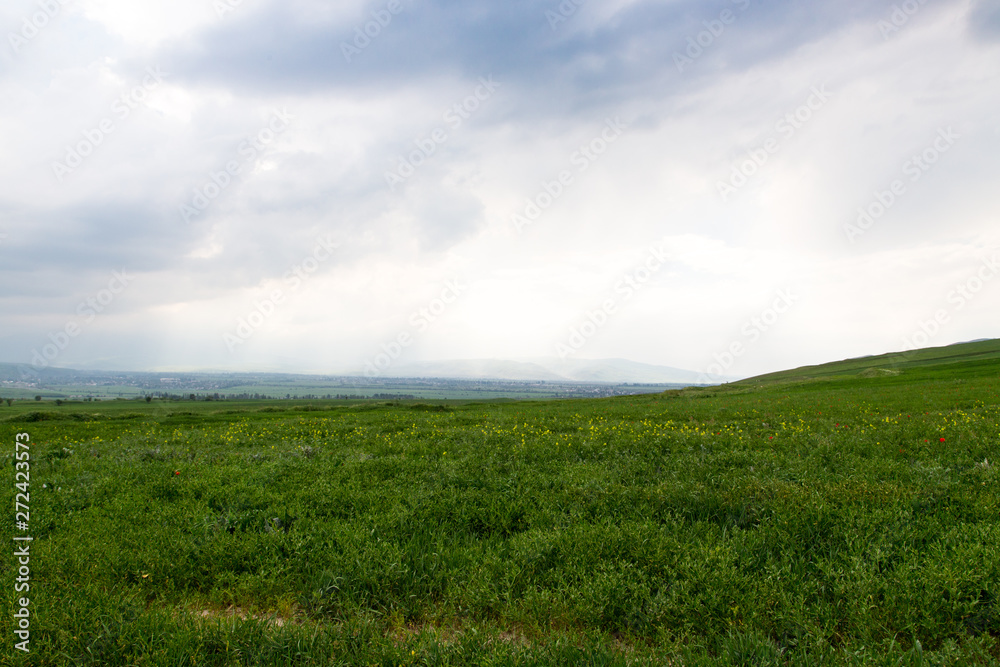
<point x="846" y="520"/>
<point x="964" y="360"/>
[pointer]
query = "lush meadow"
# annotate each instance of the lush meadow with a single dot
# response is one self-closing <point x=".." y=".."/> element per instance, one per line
<point x="841" y="522"/>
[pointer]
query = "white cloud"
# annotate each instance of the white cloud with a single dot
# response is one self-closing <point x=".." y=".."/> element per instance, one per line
<point x="655" y="184"/>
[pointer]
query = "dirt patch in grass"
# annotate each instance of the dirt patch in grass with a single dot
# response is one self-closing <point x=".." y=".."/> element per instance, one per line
<point x="238" y="613"/>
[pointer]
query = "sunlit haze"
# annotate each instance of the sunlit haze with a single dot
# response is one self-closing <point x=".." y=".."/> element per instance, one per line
<point x="729" y="187"/>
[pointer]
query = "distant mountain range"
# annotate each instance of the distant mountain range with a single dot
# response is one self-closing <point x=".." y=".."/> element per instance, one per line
<point x="616" y="371"/>
<point x="599" y="371"/>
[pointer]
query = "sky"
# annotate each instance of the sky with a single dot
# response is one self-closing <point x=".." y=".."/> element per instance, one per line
<point x="731" y="187"/>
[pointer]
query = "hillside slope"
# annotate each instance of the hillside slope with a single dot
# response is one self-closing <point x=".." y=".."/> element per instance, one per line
<point x="962" y="360"/>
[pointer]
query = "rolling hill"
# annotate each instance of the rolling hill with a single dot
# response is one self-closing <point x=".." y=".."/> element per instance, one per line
<point x="961" y="360"/>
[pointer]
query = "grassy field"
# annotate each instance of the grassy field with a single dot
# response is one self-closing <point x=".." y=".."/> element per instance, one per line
<point x="843" y="515"/>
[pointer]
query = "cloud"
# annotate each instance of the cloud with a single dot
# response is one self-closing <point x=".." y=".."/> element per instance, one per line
<point x="353" y="124"/>
<point x="984" y="20"/>
<point x="579" y="64"/>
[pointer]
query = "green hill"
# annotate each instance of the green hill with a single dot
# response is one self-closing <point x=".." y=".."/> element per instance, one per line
<point x="962" y="360"/>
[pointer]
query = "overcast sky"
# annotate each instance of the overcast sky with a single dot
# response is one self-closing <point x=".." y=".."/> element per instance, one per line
<point x="302" y="185"/>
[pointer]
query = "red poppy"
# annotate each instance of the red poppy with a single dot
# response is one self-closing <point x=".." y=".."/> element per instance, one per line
<point x="177" y="472"/>
<point x="942" y="439"/>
